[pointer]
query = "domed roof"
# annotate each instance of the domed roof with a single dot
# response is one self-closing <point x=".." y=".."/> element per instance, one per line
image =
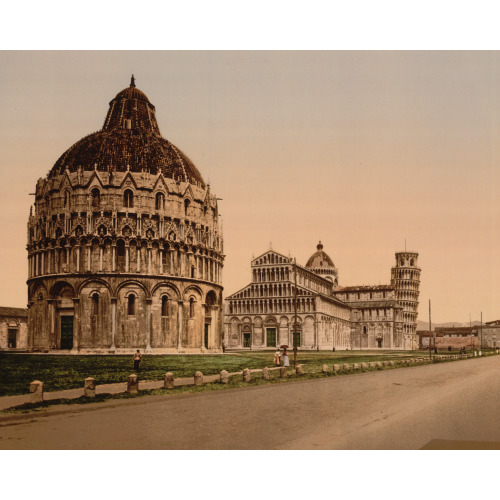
<point x="320" y="259"/>
<point x="129" y="139"/>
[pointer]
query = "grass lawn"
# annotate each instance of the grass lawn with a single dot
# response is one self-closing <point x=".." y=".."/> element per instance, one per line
<point x="68" y="372"/>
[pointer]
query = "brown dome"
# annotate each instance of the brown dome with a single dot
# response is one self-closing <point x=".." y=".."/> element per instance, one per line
<point x="320" y="259"/>
<point x="130" y="138"/>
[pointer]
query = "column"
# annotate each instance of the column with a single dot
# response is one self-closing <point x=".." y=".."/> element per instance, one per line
<point x="77" y="259"/>
<point x="181" y="262"/>
<point x="43" y="262"/>
<point x="113" y="322"/>
<point x="127" y="257"/>
<point x="52" y="323"/>
<point x="160" y="252"/>
<point x="89" y="256"/>
<point x="149" y="260"/>
<point x="148" y="325"/>
<point x="49" y="258"/>
<point x="67" y="259"/>
<point x="138" y="257"/>
<point x="76" y="325"/>
<point x="179" y="324"/>
<point x="171" y="252"/>
<point x="113" y="259"/>
<point x="101" y="252"/>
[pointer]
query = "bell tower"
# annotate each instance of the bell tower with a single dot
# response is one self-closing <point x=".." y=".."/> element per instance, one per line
<point x="405" y="278"/>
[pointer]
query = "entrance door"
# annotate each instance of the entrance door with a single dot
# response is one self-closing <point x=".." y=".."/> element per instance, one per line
<point x="246" y="340"/>
<point x="12" y="338"/>
<point x="206" y="335"/>
<point x="296" y="336"/>
<point x="379" y="343"/>
<point x="271" y="337"/>
<point x="66" y="332"/>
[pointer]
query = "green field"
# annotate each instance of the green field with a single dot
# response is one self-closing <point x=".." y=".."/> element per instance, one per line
<point x="68" y="372"/>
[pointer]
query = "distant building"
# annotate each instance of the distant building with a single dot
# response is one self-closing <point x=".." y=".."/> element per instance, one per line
<point x="262" y="314"/>
<point x="13" y="329"/>
<point x="490" y="335"/>
<point x="454" y="337"/>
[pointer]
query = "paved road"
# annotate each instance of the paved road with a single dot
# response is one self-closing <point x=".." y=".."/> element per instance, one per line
<point x="409" y="408"/>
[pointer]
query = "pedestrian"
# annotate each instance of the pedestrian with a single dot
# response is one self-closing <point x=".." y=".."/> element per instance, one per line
<point x="277" y="355"/>
<point x="137" y="361"/>
<point x="286" y="361"/>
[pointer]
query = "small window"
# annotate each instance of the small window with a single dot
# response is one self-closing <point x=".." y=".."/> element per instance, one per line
<point x="96" y="198"/>
<point x="131" y="305"/>
<point x="164" y="306"/>
<point x="160" y="201"/>
<point x="186" y="206"/>
<point x="128" y="199"/>
<point x="191" y="307"/>
<point x="364" y="329"/>
<point x="95" y="304"/>
<point x="67" y="200"/>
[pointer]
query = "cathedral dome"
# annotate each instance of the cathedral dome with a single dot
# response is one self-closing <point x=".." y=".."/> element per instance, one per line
<point x="130" y="139"/>
<point x="320" y="259"/>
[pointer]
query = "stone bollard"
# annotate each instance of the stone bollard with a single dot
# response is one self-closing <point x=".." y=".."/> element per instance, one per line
<point x="36" y="391"/>
<point x="247" y="375"/>
<point x="224" y="377"/>
<point x="89" y="387"/>
<point x="198" y="378"/>
<point x="346" y="367"/>
<point x="266" y="374"/>
<point x="391" y="363"/>
<point x="283" y="372"/>
<point x="132" y="384"/>
<point x="372" y="365"/>
<point x="386" y="363"/>
<point x="324" y="369"/>
<point x="355" y="366"/>
<point x="168" y="380"/>
<point x="480" y="353"/>
<point x="364" y="366"/>
<point x="379" y="364"/>
<point x="299" y="370"/>
<point x="336" y="368"/>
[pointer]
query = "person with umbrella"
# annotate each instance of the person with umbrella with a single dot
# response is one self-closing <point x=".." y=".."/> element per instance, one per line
<point x="286" y="361"/>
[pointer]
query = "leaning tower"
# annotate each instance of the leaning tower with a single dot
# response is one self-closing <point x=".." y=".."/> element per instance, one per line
<point x="405" y="278"/>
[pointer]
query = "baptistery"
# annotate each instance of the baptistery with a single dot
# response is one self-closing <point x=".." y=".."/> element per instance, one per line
<point x="125" y="249"/>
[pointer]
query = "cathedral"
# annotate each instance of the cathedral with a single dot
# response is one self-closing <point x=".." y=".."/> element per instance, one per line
<point x="125" y="249"/>
<point x="287" y="303"/>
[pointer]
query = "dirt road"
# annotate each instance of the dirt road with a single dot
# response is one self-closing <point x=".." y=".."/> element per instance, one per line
<point x="394" y="409"/>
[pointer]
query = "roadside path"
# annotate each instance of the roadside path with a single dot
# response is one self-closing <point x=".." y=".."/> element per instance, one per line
<point x="10" y="401"/>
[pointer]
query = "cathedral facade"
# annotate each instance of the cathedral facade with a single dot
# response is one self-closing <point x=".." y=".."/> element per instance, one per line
<point x="286" y="301"/>
<point x="125" y="250"/>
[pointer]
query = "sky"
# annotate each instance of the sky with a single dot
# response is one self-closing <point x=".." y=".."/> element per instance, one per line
<point x="361" y="150"/>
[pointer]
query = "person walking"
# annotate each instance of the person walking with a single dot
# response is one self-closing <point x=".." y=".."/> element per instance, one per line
<point x="277" y="355"/>
<point x="137" y="361"/>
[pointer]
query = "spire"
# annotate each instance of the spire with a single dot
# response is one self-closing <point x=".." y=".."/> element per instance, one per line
<point x="132" y="81"/>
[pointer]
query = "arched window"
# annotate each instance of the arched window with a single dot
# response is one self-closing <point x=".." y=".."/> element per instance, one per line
<point x="364" y="329"/>
<point x="160" y="201"/>
<point x="191" y="307"/>
<point x="95" y="304"/>
<point x="192" y="271"/>
<point x="164" y="306"/>
<point x="411" y="262"/>
<point x="186" y="205"/>
<point x="96" y="198"/>
<point x="131" y="305"/>
<point x="128" y="199"/>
